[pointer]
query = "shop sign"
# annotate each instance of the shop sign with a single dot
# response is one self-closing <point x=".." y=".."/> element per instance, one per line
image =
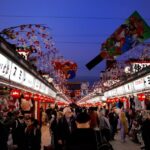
<point x="5" y="67"/>
<point x="139" y="84"/>
<point x="120" y="90"/>
<point x="106" y="94"/>
<point x="46" y="90"/>
<point x="37" y="85"/>
<point x="28" y="80"/>
<point x="42" y="89"/>
<point x="147" y="81"/>
<point x="128" y="88"/>
<point x="138" y="66"/>
<point x="17" y="74"/>
<point x="51" y="93"/>
<point x="114" y="92"/>
<point x="109" y="94"/>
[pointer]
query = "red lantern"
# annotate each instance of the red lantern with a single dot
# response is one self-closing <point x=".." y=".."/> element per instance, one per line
<point x="116" y="100"/>
<point x="112" y="100"/>
<point x="36" y="97"/>
<point x="27" y="95"/>
<point x="51" y="100"/>
<point x="108" y="100"/>
<point x="41" y="98"/>
<point x="123" y="99"/>
<point x="15" y="93"/>
<point x="141" y="97"/>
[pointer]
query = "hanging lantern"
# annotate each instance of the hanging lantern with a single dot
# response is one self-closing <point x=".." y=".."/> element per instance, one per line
<point x="15" y="93"/>
<point x="116" y="100"/>
<point x="36" y="97"/>
<point x="141" y="97"/>
<point x="42" y="98"/>
<point x="108" y="101"/>
<point x="50" y="100"/>
<point x="123" y="99"/>
<point x="27" y="95"/>
<point x="60" y="103"/>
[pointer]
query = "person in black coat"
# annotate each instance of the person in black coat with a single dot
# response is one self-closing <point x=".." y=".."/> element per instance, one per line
<point x="32" y="135"/>
<point x="146" y="132"/>
<point x="83" y="138"/>
<point x="18" y="133"/>
<point x="3" y="136"/>
<point x="65" y="126"/>
<point x="54" y="129"/>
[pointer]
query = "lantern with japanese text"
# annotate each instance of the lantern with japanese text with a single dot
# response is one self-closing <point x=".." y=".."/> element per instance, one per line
<point x="15" y="93"/>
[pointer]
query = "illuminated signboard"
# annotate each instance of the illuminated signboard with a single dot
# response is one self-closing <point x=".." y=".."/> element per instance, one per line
<point x="129" y="88"/>
<point x="5" y="67"/>
<point x="139" y="84"/>
<point x="17" y="74"/>
<point x="147" y="81"/>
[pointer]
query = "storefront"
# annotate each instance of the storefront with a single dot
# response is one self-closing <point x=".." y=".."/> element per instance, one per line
<point x="21" y="86"/>
<point x="133" y="95"/>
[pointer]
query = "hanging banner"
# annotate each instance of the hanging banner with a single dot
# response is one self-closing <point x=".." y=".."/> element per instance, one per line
<point x="131" y="33"/>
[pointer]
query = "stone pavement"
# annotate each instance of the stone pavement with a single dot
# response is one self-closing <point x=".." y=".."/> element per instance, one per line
<point x="128" y="145"/>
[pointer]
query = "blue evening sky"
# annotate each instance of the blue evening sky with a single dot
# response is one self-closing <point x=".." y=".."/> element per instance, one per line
<point x="78" y="27"/>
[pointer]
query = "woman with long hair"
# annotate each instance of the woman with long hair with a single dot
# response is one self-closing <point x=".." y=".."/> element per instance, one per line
<point x="123" y="126"/>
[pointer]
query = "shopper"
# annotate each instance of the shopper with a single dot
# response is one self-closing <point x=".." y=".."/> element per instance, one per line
<point x="54" y="129"/>
<point x="83" y="138"/>
<point x="123" y="126"/>
<point x="65" y="126"/>
<point x="146" y="131"/>
<point x="32" y="135"/>
<point x="18" y="132"/>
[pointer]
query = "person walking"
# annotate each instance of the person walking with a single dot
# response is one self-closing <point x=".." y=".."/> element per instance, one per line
<point x="65" y="126"/>
<point x="123" y="126"/>
<point x="84" y="137"/>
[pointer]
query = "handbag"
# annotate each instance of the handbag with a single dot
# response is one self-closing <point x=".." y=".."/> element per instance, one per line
<point x="102" y="143"/>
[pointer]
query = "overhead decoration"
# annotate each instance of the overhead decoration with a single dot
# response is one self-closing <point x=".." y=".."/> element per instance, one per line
<point x="35" y="43"/>
<point x="132" y="32"/>
<point x="65" y="67"/>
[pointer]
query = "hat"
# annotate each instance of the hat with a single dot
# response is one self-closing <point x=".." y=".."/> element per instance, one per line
<point x="83" y="117"/>
<point x="66" y="109"/>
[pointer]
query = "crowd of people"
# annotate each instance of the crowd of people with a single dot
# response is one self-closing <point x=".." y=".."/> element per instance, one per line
<point x="72" y="129"/>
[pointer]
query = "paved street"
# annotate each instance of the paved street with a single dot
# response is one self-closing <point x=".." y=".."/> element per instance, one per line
<point x="128" y="145"/>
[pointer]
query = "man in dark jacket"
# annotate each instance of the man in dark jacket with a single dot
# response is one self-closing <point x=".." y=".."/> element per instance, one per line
<point x="65" y="126"/>
<point x="146" y="131"/>
<point x="18" y="132"/>
<point x="83" y="138"/>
